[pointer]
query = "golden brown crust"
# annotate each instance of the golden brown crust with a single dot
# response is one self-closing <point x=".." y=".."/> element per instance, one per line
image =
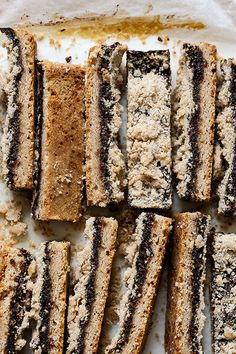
<point x="187" y="236"/>
<point x="62" y="152"/>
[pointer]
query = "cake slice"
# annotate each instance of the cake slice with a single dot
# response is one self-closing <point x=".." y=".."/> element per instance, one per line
<point x="59" y="142"/>
<point x="89" y="293"/>
<point x="105" y="164"/>
<point x="225" y="151"/>
<point x="145" y="255"/>
<point x="193" y="121"/>
<point x="148" y="135"/>
<point x="16" y="276"/>
<point x="18" y="137"/>
<point x="49" y="297"/>
<point x="223" y="291"/>
<point x="185" y="294"/>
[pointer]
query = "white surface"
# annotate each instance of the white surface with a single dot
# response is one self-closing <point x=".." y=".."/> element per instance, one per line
<point x="220" y="32"/>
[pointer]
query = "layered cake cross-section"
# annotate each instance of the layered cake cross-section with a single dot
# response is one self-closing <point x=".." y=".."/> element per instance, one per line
<point x="223" y="293"/>
<point x="186" y="280"/>
<point x="49" y="297"/>
<point x="225" y="148"/>
<point x="145" y="255"/>
<point x="193" y="121"/>
<point x="18" y="136"/>
<point x="16" y="282"/>
<point x="148" y="134"/>
<point x="89" y="292"/>
<point x="105" y="166"/>
<point x="59" y="142"/>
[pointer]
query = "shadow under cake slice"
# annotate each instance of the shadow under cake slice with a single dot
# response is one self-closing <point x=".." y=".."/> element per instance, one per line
<point x="225" y="150"/>
<point x="105" y="165"/>
<point x="148" y="135"/>
<point x="146" y="255"/>
<point x="59" y="142"/>
<point x="223" y="293"/>
<point x="186" y="281"/>
<point x="49" y="297"/>
<point x="16" y="282"/>
<point x="89" y="293"/>
<point x="193" y="121"/>
<point x="18" y="137"/>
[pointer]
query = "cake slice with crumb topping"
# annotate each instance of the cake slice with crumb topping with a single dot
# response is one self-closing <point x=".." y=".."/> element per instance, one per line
<point x="59" y="142"/>
<point x="17" y="269"/>
<point x="223" y="293"/>
<point x="148" y="135"/>
<point x="185" y="294"/>
<point x="18" y="137"/>
<point x="145" y="253"/>
<point x="89" y="293"/>
<point x="225" y="148"/>
<point x="49" y="297"/>
<point x="193" y="121"/>
<point x="105" y="166"/>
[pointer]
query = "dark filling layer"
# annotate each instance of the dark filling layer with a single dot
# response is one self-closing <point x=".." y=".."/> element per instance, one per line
<point x="90" y="286"/>
<point x="195" y="61"/>
<point x="145" y="253"/>
<point x="38" y="132"/>
<point x="107" y="102"/>
<point x="230" y="193"/>
<point x="157" y="62"/>
<point x="13" y="128"/>
<point x="146" y="62"/>
<point x="197" y="256"/>
<point x="45" y="304"/>
<point x="20" y="303"/>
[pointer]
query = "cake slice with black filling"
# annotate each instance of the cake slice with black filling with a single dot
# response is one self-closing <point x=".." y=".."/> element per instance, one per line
<point x="18" y="137"/>
<point x="193" y="121"/>
<point x="16" y="281"/>
<point x="105" y="166"/>
<point x="49" y="297"/>
<point x="223" y="293"/>
<point x="148" y="135"/>
<point x="185" y="293"/>
<point x="89" y="293"/>
<point x="59" y="142"/>
<point x="225" y="150"/>
<point x="145" y="256"/>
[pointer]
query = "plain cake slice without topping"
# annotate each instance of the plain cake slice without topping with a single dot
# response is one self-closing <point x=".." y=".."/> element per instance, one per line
<point x="87" y="303"/>
<point x="16" y="282"/>
<point x="193" y="121"/>
<point x="148" y="135"/>
<point x="59" y="142"/>
<point x="185" y="293"/>
<point x="223" y="293"/>
<point x="49" y="297"/>
<point x="146" y="255"/>
<point x="18" y="137"/>
<point x="105" y="166"/>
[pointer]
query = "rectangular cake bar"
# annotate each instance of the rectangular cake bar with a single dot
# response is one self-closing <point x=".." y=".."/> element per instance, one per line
<point x="225" y="150"/>
<point x="223" y="293"/>
<point x="59" y="142"/>
<point x="145" y="256"/>
<point x="148" y="135"/>
<point x="16" y="275"/>
<point x="193" y="121"/>
<point x="18" y="137"/>
<point x="105" y="166"/>
<point x="186" y="280"/>
<point x="89" y="293"/>
<point x="49" y="297"/>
